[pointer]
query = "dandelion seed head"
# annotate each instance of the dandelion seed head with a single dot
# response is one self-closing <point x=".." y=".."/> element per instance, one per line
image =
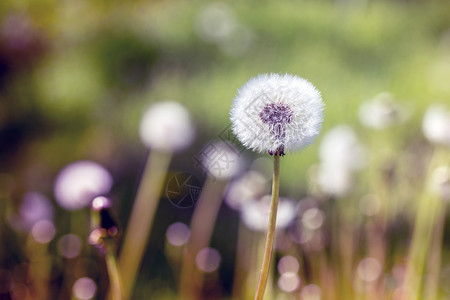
<point x="34" y="207"/>
<point x="439" y="183"/>
<point x="167" y="127"/>
<point x="255" y="214"/>
<point x="79" y="183"/>
<point x="436" y="125"/>
<point x="252" y="185"/>
<point x="382" y="111"/>
<point x="276" y="113"/>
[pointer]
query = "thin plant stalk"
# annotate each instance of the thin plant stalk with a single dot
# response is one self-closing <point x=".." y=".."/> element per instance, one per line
<point x="141" y="219"/>
<point x="115" y="289"/>
<point x="434" y="257"/>
<point x="427" y="212"/>
<point x="201" y="229"/>
<point x="242" y="262"/>
<point x="40" y="263"/>
<point x="265" y="266"/>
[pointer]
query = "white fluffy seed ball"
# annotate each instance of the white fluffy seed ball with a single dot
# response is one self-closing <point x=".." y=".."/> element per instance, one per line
<point x="274" y="112"/>
<point x="167" y="127"/>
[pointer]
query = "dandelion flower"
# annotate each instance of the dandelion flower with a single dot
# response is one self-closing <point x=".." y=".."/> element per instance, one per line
<point x="167" y="127"/>
<point x="79" y="183"/>
<point x="436" y="125"/>
<point x="381" y="112"/>
<point x="341" y="154"/>
<point x="277" y="113"/>
<point x="255" y="214"/>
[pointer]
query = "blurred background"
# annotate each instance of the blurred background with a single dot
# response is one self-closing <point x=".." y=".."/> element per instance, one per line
<point x="77" y="76"/>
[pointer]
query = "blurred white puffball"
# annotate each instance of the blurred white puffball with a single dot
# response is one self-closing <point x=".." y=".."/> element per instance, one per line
<point x="340" y="155"/>
<point x="167" y="127"/>
<point x="34" y="207"/>
<point x="436" y="125"/>
<point x="255" y="214"/>
<point x="220" y="160"/>
<point x="79" y="183"/>
<point x="439" y="183"/>
<point x="381" y="112"/>
<point x="340" y="147"/>
<point x="252" y="185"/>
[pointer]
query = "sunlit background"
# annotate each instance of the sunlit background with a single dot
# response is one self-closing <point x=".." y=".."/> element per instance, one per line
<point x="76" y="78"/>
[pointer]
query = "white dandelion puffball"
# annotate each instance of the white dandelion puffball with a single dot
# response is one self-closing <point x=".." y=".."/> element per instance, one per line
<point x="274" y="113"/>
<point x="382" y="111"/>
<point x="167" y="126"/>
<point x="255" y="214"/>
<point x="340" y="146"/>
<point x="436" y="125"/>
<point x="79" y="183"/>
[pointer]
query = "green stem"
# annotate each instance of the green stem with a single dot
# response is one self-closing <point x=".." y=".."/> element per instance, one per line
<point x="201" y="228"/>
<point x="115" y="289"/>
<point x="141" y="219"/>
<point x="270" y="230"/>
<point x="427" y="213"/>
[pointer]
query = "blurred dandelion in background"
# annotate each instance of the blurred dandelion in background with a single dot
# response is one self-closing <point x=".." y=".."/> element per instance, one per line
<point x="382" y="111"/>
<point x="33" y="208"/>
<point x="436" y="125"/>
<point x="255" y="214"/>
<point x="78" y="183"/>
<point x="250" y="186"/>
<point x="166" y="126"/>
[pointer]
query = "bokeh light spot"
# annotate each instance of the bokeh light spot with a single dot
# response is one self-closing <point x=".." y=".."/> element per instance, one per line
<point x="208" y="259"/>
<point x="43" y="231"/>
<point x="178" y="234"/>
<point x="84" y="288"/>
<point x="69" y="245"/>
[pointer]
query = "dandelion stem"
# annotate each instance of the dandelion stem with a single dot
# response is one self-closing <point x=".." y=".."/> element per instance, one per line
<point x="141" y="219"/>
<point x="428" y="211"/>
<point x="201" y="229"/>
<point x="115" y="289"/>
<point x="270" y="230"/>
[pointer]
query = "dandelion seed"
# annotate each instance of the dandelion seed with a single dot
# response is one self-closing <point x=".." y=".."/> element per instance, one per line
<point x="276" y="113"/>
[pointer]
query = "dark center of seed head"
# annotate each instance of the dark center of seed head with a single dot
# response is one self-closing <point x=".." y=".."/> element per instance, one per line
<point x="277" y="116"/>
